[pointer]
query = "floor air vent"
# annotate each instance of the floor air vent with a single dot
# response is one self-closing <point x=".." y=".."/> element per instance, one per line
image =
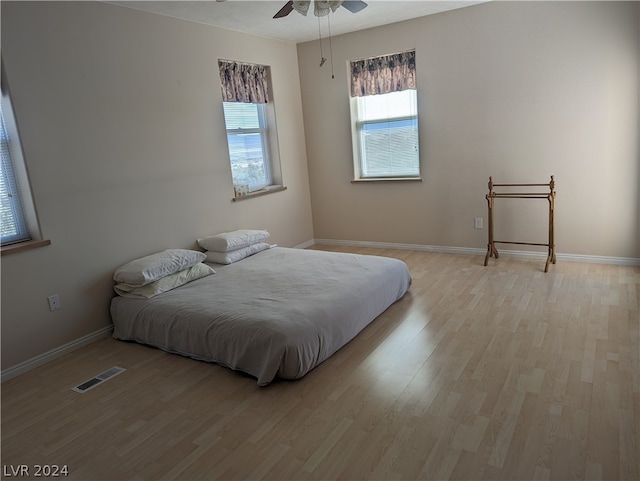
<point x="100" y="378"/>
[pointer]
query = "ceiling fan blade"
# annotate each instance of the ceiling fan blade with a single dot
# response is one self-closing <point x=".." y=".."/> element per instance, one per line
<point x="354" y="6"/>
<point x="286" y="10"/>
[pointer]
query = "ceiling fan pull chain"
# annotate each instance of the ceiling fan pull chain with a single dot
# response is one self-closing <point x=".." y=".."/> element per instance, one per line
<point x="330" y="46"/>
<point x="322" y="59"/>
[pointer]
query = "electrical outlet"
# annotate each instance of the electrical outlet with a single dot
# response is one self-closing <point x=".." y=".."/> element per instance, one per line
<point x="478" y="223"/>
<point x="54" y="302"/>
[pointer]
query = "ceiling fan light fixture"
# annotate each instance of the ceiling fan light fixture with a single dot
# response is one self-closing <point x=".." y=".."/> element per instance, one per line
<point x="335" y="4"/>
<point x="322" y="8"/>
<point x="302" y="7"/>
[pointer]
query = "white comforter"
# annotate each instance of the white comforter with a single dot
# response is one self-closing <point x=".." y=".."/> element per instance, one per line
<point x="278" y="313"/>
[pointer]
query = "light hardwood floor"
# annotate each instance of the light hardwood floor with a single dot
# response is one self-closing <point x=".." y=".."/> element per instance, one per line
<point x="497" y="372"/>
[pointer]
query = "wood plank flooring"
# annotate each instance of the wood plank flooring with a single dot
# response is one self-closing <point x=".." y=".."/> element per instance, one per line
<point x="497" y="372"/>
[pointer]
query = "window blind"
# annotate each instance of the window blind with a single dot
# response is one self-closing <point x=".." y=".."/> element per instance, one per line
<point x="387" y="126"/>
<point x="247" y="137"/>
<point x="13" y="227"/>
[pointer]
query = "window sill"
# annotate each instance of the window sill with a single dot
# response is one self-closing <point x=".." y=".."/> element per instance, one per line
<point x="387" y="179"/>
<point x="23" y="246"/>
<point x="257" y="193"/>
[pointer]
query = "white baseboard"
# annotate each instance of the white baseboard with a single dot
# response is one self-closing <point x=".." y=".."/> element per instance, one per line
<point x="34" y="362"/>
<point x="620" y="261"/>
<point x="304" y="245"/>
<point x="617" y="261"/>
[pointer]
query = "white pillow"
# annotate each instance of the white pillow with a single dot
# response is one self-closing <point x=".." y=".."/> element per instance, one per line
<point x="236" y="255"/>
<point x="229" y="241"/>
<point x="145" y="270"/>
<point x="165" y="284"/>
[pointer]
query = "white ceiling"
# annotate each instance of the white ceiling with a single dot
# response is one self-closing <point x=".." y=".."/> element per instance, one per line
<point x="256" y="17"/>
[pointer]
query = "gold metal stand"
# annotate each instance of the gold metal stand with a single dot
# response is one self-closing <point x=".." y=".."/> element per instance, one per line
<point x="550" y="196"/>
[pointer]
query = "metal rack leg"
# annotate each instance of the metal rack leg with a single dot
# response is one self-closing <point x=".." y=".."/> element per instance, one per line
<point x="491" y="247"/>
<point x="551" y="256"/>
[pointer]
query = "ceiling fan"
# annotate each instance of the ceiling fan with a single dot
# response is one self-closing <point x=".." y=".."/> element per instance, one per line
<point x="320" y="7"/>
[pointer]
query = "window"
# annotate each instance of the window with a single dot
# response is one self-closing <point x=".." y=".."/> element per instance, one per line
<point x="248" y="139"/>
<point x="386" y="135"/>
<point x="250" y="122"/>
<point x="13" y="227"/>
<point x="384" y="117"/>
<point x="18" y="221"/>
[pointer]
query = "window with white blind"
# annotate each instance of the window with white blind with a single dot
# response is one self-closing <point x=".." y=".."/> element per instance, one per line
<point x="385" y="136"/>
<point x="384" y="117"/>
<point x="250" y="123"/>
<point x="248" y="140"/>
<point x="13" y="224"/>
<point x="18" y="221"/>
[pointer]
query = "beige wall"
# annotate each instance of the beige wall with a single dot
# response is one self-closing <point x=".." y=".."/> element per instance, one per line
<point x="121" y="121"/>
<point x="514" y="90"/>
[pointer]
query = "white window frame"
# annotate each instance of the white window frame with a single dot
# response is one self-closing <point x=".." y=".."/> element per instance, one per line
<point x="263" y="131"/>
<point x="15" y="171"/>
<point x="357" y="134"/>
<point x="270" y="151"/>
<point x="12" y="212"/>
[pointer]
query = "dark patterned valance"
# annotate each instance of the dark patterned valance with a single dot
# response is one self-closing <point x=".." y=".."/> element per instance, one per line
<point x="244" y="82"/>
<point x="382" y="75"/>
